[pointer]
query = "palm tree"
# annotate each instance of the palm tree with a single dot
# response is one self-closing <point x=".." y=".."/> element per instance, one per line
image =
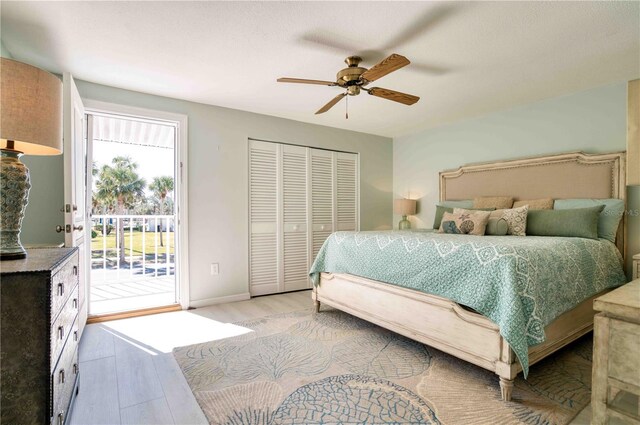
<point x="119" y="185"/>
<point x="161" y="187"/>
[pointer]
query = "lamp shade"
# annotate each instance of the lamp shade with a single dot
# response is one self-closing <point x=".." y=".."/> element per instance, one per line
<point x="30" y="109"/>
<point x="404" y="206"/>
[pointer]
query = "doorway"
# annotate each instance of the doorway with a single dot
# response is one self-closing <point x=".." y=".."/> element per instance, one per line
<point x="136" y="197"/>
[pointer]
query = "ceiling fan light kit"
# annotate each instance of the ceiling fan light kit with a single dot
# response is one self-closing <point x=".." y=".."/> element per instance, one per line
<point x="354" y="78"/>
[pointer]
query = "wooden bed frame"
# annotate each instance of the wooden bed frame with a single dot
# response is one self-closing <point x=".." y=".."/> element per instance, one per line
<point x="444" y="324"/>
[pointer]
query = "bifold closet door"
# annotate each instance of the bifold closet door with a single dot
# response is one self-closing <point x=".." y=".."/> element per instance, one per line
<point x="298" y="196"/>
<point x="322" y="191"/>
<point x="295" y="259"/>
<point x="347" y="191"/>
<point x="264" y="267"/>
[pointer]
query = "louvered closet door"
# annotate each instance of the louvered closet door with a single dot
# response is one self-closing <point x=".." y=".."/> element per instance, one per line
<point x="321" y="188"/>
<point x="295" y="258"/>
<point x="263" y="217"/>
<point x="347" y="191"/>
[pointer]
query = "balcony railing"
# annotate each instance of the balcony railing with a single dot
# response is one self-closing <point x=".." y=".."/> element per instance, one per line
<point x="148" y="246"/>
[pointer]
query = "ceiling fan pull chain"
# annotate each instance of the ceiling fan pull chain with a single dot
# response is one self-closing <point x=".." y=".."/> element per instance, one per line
<point x="346" y="115"/>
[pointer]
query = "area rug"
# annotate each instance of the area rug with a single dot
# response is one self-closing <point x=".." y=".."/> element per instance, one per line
<point x="333" y="368"/>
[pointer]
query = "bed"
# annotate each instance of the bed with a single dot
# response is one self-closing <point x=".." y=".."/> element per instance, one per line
<point x="456" y="329"/>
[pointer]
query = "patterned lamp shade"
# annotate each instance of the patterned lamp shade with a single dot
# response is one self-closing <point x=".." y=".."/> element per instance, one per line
<point x="404" y="206"/>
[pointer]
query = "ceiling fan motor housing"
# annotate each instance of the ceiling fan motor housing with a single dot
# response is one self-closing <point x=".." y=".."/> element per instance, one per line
<point x="350" y="76"/>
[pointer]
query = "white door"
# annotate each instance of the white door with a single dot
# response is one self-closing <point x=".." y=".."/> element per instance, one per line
<point x="263" y="218"/>
<point x="75" y="186"/>
<point x="321" y="189"/>
<point x="295" y="259"/>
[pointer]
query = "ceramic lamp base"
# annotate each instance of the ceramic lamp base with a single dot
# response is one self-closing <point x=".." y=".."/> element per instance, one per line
<point x="404" y="224"/>
<point x="14" y="194"/>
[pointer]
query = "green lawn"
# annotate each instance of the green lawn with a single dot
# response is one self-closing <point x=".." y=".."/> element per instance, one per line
<point x="149" y="242"/>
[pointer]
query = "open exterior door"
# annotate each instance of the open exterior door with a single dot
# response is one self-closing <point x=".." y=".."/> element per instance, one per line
<point x="75" y="188"/>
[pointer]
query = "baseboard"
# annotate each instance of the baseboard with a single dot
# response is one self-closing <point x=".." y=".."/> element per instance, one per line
<point x="219" y="300"/>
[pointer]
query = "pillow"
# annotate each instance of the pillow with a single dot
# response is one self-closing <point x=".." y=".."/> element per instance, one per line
<point x="516" y="219"/>
<point x="535" y="204"/>
<point x="497" y="202"/>
<point x="448" y="206"/>
<point x="496" y="227"/>
<point x="609" y="217"/>
<point x="574" y="222"/>
<point x="441" y="209"/>
<point x="471" y="223"/>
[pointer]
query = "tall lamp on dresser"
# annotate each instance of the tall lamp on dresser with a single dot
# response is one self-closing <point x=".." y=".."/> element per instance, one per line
<point x="31" y="124"/>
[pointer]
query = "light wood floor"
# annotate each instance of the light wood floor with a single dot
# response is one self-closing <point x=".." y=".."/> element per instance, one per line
<point x="129" y="376"/>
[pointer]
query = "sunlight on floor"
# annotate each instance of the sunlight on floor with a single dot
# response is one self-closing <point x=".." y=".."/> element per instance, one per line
<point x="161" y="333"/>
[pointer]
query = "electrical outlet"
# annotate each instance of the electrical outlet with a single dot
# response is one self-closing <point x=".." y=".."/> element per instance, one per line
<point x="215" y="269"/>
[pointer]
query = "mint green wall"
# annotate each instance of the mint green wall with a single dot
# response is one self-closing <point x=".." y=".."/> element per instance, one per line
<point x="592" y="121"/>
<point x="4" y="52"/>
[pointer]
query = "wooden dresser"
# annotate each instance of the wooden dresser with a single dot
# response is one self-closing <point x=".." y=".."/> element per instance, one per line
<point x="616" y="356"/>
<point x="39" y="336"/>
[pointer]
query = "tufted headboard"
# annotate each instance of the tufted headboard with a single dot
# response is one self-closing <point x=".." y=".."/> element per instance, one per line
<point x="569" y="175"/>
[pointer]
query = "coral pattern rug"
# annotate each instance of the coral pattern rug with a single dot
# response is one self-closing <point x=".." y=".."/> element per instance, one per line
<point x="333" y="368"/>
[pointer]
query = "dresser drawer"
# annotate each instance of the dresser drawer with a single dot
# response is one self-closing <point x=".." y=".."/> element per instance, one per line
<point x="63" y="382"/>
<point x="65" y="326"/>
<point x="62" y="283"/>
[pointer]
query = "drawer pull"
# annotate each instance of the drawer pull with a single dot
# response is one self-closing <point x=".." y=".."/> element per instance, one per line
<point x="76" y="368"/>
<point x="75" y="336"/>
<point x="61" y="418"/>
<point x="60" y="332"/>
<point x="60" y="289"/>
<point x="61" y="376"/>
<point x="75" y="268"/>
<point x="75" y="303"/>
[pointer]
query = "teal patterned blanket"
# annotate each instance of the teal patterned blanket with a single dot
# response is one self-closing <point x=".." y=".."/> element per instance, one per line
<point x="520" y="283"/>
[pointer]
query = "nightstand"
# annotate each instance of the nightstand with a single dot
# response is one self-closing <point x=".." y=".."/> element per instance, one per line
<point x="616" y="360"/>
<point x="635" y="273"/>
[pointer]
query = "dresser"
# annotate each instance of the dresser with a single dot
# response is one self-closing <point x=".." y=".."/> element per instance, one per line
<point x="39" y="336"/>
<point x="616" y="356"/>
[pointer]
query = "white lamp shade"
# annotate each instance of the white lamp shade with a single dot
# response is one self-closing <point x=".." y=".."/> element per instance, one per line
<point x="404" y="206"/>
<point x="30" y="109"/>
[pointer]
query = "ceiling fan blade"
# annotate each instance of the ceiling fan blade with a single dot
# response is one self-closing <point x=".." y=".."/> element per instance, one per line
<point x="303" y="81"/>
<point x="330" y="105"/>
<point x="396" y="96"/>
<point x="388" y="65"/>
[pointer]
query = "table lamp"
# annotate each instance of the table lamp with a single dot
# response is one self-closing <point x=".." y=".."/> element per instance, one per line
<point x="30" y="124"/>
<point x="404" y="207"/>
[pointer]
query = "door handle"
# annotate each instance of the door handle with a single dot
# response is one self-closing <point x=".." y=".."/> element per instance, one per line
<point x="59" y="228"/>
<point x="67" y="228"/>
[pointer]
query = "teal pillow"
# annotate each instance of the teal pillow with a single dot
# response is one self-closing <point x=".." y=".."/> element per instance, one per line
<point x="448" y="206"/>
<point x="609" y="217"/>
<point x="496" y="227"/>
<point x="575" y="222"/>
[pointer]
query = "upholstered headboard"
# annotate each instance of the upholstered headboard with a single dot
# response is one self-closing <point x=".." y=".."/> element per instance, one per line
<point x="570" y="175"/>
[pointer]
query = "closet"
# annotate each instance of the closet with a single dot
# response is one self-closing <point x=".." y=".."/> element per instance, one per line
<point x="298" y="196"/>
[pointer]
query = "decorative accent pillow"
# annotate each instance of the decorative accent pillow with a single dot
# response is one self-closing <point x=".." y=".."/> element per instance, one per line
<point x="516" y="219"/>
<point x="609" y="217"/>
<point x="575" y="222"/>
<point x="470" y="223"/>
<point x="495" y="226"/>
<point x="535" y="204"/>
<point x="449" y="206"/>
<point x="497" y="202"/>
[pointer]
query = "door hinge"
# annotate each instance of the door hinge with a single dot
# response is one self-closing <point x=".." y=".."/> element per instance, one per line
<point x="67" y="208"/>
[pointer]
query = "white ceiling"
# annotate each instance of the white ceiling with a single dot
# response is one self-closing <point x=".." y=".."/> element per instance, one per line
<point x="467" y="58"/>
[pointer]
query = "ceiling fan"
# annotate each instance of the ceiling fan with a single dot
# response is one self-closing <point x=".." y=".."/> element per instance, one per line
<point x="354" y="78"/>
